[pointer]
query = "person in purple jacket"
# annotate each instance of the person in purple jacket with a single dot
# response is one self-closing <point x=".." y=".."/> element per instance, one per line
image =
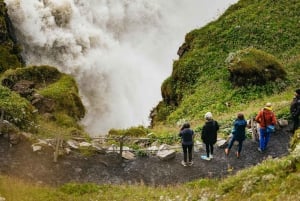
<point x="187" y="140"/>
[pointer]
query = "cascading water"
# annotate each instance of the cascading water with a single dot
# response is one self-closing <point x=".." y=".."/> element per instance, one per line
<point x="119" y="51"/>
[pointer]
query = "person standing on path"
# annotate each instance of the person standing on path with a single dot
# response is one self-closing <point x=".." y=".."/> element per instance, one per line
<point x="187" y="142"/>
<point x="209" y="135"/>
<point x="238" y="134"/>
<point x="265" y="117"/>
<point x="295" y="110"/>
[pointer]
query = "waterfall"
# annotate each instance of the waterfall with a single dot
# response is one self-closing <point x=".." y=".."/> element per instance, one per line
<point x="119" y="51"/>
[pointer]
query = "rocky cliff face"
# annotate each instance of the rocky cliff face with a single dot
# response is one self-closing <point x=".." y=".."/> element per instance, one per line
<point x="8" y="40"/>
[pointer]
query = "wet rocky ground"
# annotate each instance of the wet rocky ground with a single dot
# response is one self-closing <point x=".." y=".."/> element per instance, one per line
<point x="38" y="167"/>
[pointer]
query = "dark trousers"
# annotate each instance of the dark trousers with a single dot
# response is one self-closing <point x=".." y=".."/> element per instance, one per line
<point x="233" y="139"/>
<point x="296" y="123"/>
<point x="187" y="152"/>
<point x="209" y="148"/>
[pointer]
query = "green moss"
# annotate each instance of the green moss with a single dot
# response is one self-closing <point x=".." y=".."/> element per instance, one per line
<point x="65" y="94"/>
<point x="8" y="60"/>
<point x="40" y="75"/>
<point x="254" y="67"/>
<point x="17" y="110"/>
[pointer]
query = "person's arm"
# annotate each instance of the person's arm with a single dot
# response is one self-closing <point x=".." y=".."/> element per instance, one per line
<point x="203" y="133"/>
<point x="293" y="106"/>
<point x="274" y="120"/>
<point x="217" y="125"/>
<point x="258" y="117"/>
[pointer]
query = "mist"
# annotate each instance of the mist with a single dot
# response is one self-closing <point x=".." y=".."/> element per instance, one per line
<point x="119" y="52"/>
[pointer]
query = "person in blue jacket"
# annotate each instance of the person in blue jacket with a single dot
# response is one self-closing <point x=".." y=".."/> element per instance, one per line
<point x="238" y="134"/>
<point x="187" y="140"/>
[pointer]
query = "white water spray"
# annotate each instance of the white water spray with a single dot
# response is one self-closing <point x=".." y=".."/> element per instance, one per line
<point x="119" y="51"/>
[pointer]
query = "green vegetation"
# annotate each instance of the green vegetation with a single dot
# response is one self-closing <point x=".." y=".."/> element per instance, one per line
<point x="201" y="80"/>
<point x="138" y="131"/>
<point x="16" y="109"/>
<point x="254" y="67"/>
<point x="51" y="100"/>
<point x="65" y="94"/>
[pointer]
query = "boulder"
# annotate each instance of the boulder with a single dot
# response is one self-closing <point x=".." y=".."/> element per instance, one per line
<point x="283" y="122"/>
<point x="165" y="153"/>
<point x="222" y="143"/>
<point x="128" y="155"/>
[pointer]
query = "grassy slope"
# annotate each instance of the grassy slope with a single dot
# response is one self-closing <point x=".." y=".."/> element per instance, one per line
<point x="200" y="76"/>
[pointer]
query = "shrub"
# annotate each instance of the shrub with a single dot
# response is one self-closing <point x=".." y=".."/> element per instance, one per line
<point x="17" y="110"/>
<point x="251" y="66"/>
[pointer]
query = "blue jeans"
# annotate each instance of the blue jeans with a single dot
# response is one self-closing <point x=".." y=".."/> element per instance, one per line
<point x="264" y="138"/>
<point x="232" y="141"/>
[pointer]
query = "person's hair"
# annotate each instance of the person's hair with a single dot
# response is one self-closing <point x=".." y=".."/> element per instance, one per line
<point x="208" y="116"/>
<point x="185" y="125"/>
<point x="240" y="115"/>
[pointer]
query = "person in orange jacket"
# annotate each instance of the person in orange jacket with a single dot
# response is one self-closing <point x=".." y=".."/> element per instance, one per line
<point x="265" y="117"/>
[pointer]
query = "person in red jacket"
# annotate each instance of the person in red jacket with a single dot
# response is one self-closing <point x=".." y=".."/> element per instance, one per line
<point x="265" y="117"/>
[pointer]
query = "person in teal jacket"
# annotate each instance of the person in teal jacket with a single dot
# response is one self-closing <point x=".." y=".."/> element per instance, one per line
<point x="238" y="134"/>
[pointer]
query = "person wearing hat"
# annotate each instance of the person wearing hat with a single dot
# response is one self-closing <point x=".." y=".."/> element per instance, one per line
<point x="266" y="119"/>
<point x="295" y="110"/>
<point x="209" y="135"/>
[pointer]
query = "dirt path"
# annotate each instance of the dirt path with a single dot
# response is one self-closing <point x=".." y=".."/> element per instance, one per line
<point x="38" y="167"/>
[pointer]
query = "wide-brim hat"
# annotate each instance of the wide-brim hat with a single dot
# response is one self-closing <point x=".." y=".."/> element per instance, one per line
<point x="268" y="104"/>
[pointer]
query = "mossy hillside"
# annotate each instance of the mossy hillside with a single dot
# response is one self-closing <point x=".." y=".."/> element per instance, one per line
<point x="254" y="67"/>
<point x="200" y="79"/>
<point x="40" y="75"/>
<point x="8" y="60"/>
<point x="52" y="85"/>
<point x="17" y="110"/>
<point x="65" y="94"/>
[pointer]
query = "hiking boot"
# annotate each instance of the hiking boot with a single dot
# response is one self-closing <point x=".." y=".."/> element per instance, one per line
<point x="205" y="158"/>
<point x="183" y="163"/>
<point x="211" y="156"/>
<point x="191" y="163"/>
<point x="226" y="151"/>
<point x="238" y="154"/>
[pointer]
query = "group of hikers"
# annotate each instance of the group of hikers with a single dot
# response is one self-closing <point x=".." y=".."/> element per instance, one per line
<point x="266" y="119"/>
